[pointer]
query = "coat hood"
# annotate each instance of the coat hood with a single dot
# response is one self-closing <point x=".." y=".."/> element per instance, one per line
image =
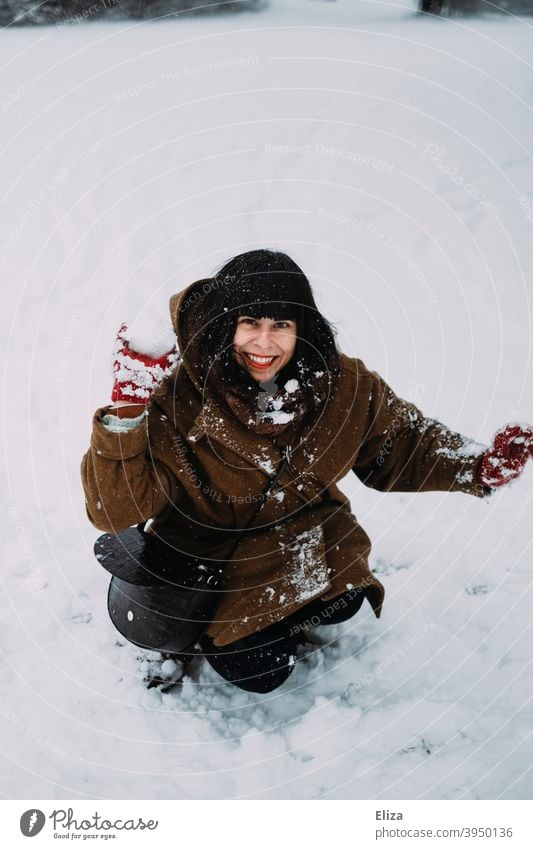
<point x="191" y="313"/>
<point x="200" y="316"/>
<point x="203" y="317"/>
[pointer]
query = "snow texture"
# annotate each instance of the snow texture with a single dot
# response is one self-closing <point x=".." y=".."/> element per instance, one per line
<point x="152" y="335"/>
<point x="136" y="377"/>
<point x="390" y="155"/>
<point x="304" y="553"/>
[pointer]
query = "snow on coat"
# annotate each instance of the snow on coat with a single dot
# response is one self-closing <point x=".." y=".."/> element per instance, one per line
<point x="199" y="473"/>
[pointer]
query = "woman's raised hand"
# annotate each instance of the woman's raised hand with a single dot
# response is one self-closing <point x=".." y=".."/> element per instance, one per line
<point x="506" y="458"/>
<point x="137" y="375"/>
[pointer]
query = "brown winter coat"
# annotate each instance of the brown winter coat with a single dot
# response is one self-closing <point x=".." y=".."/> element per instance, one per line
<point x="199" y="472"/>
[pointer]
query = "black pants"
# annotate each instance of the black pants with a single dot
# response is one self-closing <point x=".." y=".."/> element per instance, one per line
<point x="263" y="661"/>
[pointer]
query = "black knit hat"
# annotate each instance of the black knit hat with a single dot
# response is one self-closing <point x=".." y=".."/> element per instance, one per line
<point x="265" y="284"/>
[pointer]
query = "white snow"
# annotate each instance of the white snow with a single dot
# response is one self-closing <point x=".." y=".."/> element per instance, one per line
<point x="390" y="155"/>
<point x="469" y="448"/>
<point x="152" y="335"/>
<point x="291" y="386"/>
<point x="266" y="464"/>
<point x="308" y="577"/>
<point x="137" y="378"/>
<point x="276" y="416"/>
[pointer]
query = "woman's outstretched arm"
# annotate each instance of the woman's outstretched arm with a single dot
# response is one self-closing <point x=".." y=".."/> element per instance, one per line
<point x="403" y="451"/>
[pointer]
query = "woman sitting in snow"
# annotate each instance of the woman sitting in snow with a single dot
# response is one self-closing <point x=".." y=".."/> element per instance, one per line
<point x="194" y="436"/>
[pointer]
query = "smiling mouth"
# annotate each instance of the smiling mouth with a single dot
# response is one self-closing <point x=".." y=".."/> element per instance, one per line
<point x="257" y="361"/>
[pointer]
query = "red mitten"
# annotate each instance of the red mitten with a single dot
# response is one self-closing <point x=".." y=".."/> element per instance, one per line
<point x="138" y="375"/>
<point x="505" y="460"/>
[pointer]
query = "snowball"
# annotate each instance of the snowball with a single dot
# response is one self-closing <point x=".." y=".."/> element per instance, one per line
<point x="170" y="667"/>
<point x="152" y="335"/>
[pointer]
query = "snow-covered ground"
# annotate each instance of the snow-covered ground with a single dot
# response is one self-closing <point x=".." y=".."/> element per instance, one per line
<point x="390" y="154"/>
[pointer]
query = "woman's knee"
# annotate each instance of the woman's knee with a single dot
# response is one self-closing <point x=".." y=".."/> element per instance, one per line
<point x="332" y="612"/>
<point x="264" y="682"/>
<point x="257" y="663"/>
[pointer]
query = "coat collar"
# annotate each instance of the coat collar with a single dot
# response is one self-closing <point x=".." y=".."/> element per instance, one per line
<point x="262" y="452"/>
<point x="215" y="423"/>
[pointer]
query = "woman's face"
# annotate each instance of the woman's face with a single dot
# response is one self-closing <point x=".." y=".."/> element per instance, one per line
<point x="264" y="345"/>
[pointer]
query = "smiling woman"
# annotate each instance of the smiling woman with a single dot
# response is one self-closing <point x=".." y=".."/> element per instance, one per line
<point x="264" y="346"/>
<point x="264" y="323"/>
<point x="260" y="407"/>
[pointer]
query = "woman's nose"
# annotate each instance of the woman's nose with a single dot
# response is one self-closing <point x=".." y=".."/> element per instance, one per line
<point x="263" y="339"/>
